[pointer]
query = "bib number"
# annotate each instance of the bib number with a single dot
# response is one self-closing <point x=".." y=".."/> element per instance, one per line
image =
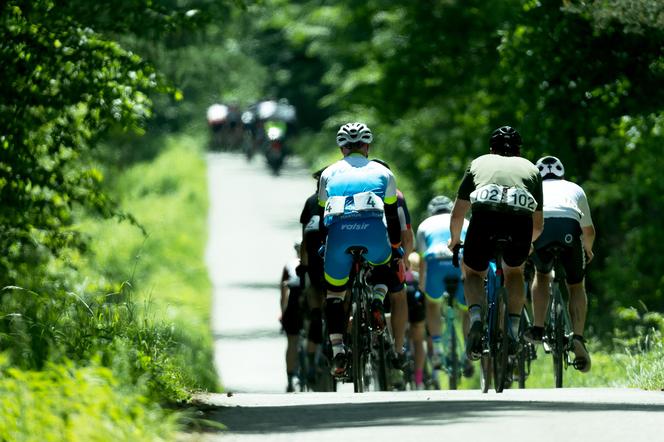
<point x="521" y="199"/>
<point x="367" y="201"/>
<point x="335" y="205"/>
<point x="497" y="195"/>
<point x="313" y="224"/>
<point x="361" y="201"/>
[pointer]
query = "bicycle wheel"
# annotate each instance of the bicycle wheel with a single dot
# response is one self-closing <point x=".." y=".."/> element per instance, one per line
<point x="523" y="355"/>
<point x="500" y="360"/>
<point x="558" y="342"/>
<point x="357" y="350"/>
<point x="379" y="362"/>
<point x="453" y="360"/>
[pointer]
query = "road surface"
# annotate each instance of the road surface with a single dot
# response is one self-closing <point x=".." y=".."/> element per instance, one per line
<point x="253" y="223"/>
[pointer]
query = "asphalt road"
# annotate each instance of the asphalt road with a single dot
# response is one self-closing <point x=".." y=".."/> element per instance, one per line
<point x="253" y="223"/>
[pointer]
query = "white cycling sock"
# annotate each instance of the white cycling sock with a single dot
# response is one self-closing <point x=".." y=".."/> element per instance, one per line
<point x="337" y="341"/>
<point x="514" y="324"/>
<point x="475" y="312"/>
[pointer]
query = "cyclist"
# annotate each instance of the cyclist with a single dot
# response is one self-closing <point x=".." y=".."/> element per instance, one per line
<point x="216" y="115"/>
<point x="354" y="195"/>
<point x="504" y="192"/>
<point x="568" y="222"/>
<point x="311" y="270"/>
<point x="416" y="315"/>
<point x="397" y="300"/>
<point x="291" y="314"/>
<point x="436" y="267"/>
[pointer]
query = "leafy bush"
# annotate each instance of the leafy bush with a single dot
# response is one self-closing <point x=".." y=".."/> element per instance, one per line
<point x="66" y="402"/>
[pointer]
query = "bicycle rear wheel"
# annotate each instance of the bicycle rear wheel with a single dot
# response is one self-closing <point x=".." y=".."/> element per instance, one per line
<point x="523" y="355"/>
<point x="357" y="347"/>
<point x="500" y="360"/>
<point x="453" y="360"/>
<point x="558" y="343"/>
<point x="379" y="361"/>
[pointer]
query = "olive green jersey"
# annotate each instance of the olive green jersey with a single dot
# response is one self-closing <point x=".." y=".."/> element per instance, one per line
<point x="502" y="183"/>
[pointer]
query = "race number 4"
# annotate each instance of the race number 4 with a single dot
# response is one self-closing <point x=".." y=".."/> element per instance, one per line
<point x="367" y="201"/>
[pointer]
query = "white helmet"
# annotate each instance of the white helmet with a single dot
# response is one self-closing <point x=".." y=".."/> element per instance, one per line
<point x="352" y="133"/>
<point x="550" y="167"/>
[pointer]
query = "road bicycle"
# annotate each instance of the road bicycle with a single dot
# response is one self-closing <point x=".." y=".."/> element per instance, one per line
<point x="526" y="352"/>
<point x="369" y="347"/>
<point x="452" y="361"/>
<point x="494" y="362"/>
<point x="558" y="333"/>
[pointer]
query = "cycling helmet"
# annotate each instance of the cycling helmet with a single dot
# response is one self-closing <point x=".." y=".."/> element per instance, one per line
<point x="439" y="204"/>
<point x="353" y="133"/>
<point x="550" y="167"/>
<point x="505" y="141"/>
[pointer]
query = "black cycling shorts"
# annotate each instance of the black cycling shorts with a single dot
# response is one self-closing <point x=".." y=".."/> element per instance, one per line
<point x="567" y="233"/>
<point x="486" y="226"/>
<point x="416" y="308"/>
<point x="292" y="319"/>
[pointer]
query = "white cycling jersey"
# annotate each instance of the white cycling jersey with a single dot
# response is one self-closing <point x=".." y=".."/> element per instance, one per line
<point x="565" y="199"/>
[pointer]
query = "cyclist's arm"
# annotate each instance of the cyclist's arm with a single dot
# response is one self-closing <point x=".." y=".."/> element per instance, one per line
<point x="304" y="256"/>
<point x="284" y="290"/>
<point x="457" y="218"/>
<point x="538" y="224"/>
<point x="407" y="242"/>
<point x="393" y="224"/>
<point x="392" y="211"/>
<point x="588" y="241"/>
<point x="538" y="214"/>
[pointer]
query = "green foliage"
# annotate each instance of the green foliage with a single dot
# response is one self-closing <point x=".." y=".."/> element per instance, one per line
<point x="580" y="80"/>
<point x="66" y="402"/>
<point x="168" y="196"/>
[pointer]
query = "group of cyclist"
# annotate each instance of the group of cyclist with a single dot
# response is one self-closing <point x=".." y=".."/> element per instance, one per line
<point x="528" y="207"/>
<point x="260" y="127"/>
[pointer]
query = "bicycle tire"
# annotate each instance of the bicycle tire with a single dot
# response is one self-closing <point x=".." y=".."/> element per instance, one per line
<point x="380" y="362"/>
<point x="357" y="356"/>
<point x="453" y="360"/>
<point x="559" y="344"/>
<point x="500" y="362"/>
<point x="485" y="372"/>
<point x="524" y="350"/>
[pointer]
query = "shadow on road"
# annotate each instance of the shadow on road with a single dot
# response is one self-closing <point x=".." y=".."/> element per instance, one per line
<point x="297" y="418"/>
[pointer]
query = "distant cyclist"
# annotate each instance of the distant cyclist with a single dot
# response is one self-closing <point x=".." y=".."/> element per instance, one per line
<point x="568" y="223"/>
<point x="354" y="195"/>
<point x="436" y="268"/>
<point x="416" y="315"/>
<point x="504" y="192"/>
<point x="311" y="271"/>
<point x="291" y="315"/>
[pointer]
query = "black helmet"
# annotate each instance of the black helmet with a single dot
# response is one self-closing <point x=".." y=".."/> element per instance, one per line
<point x="550" y="167"/>
<point x="439" y="204"/>
<point x="505" y="141"/>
